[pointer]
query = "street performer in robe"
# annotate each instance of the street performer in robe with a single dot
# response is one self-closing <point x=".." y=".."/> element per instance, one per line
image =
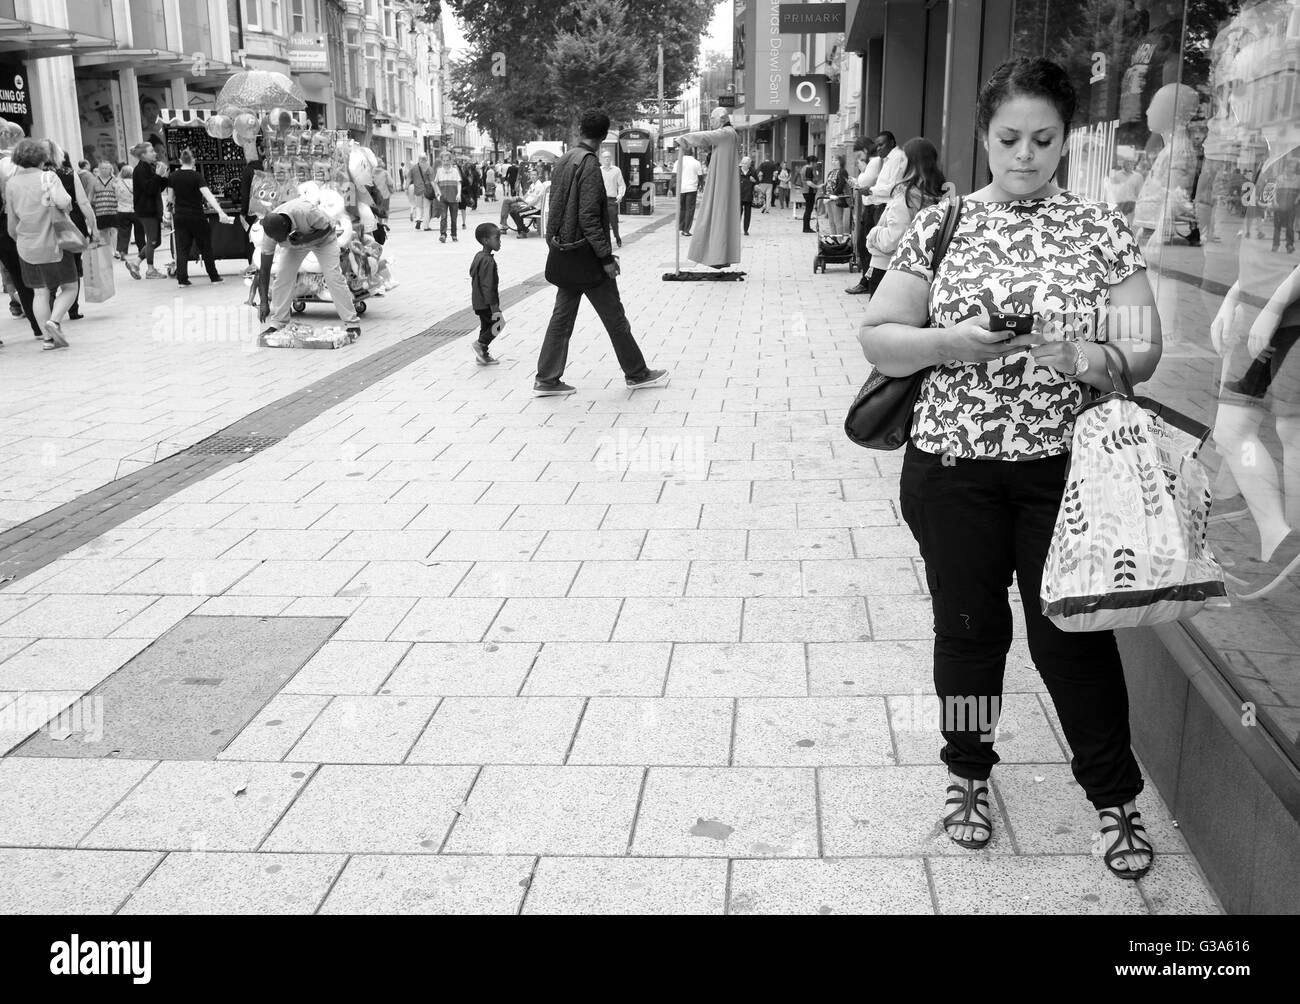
<point x="302" y="228"/>
<point x="716" y="240"/>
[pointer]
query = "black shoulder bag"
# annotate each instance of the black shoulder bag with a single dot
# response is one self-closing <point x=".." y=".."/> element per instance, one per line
<point x="880" y="417"/>
<point x="575" y="265"/>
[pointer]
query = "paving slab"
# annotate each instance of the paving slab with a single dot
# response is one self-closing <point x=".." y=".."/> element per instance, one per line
<point x="39" y="880"/>
<point x="276" y="728"/>
<point x="452" y="884"/>
<point x="195" y="806"/>
<point x="186" y="696"/>
<point x="365" y="730"/>
<point x="236" y="884"/>
<point x="54" y="803"/>
<point x="654" y="731"/>
<point x="748" y="669"/>
<point x="463" y="668"/>
<point x="512" y="810"/>
<point x="388" y="809"/>
<point x="812" y="732"/>
<point x="66" y="663"/>
<point x="1038" y="885"/>
<point x="830" y="886"/>
<point x="727" y="812"/>
<point x="1022" y="733"/>
<point x="628" y="886"/>
<point x="348" y="667"/>
<point x="499" y="730"/>
<point x="600" y="669"/>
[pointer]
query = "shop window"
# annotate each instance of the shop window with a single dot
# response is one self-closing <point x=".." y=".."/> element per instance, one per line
<point x="1189" y="124"/>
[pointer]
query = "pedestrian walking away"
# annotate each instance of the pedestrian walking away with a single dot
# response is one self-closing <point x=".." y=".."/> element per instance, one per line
<point x="578" y="224"/>
<point x="615" y="189"/>
<point x="985" y="470"/>
<point x="82" y="213"/>
<point x="36" y="205"/>
<point x="485" y="293"/>
<point x="767" y="178"/>
<point x="9" y="256"/>
<point x="299" y="228"/>
<point x="192" y="198"/>
<point x="691" y="170"/>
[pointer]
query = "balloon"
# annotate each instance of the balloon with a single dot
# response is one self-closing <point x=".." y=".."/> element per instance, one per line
<point x="246" y="127"/>
<point x="366" y="217"/>
<point x="310" y="191"/>
<point x="219" y="127"/>
<point x="331" y="203"/>
<point x="280" y="119"/>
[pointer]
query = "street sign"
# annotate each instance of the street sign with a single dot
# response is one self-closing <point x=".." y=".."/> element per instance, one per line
<point x="812" y="18"/>
<point x="727" y="100"/>
<point x="809" y="94"/>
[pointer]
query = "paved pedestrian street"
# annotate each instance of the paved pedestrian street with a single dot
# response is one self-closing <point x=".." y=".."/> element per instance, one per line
<point x="446" y="647"/>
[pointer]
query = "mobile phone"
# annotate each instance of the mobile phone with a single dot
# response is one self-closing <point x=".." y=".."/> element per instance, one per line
<point x="1016" y="324"/>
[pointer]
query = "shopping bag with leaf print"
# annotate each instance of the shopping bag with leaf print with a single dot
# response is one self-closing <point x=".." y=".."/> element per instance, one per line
<point x="1129" y="548"/>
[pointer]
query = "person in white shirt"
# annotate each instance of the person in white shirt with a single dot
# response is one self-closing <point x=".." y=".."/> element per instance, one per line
<point x="691" y="170"/>
<point x="615" y="189"/>
<point x="892" y="168"/>
<point x="869" y="165"/>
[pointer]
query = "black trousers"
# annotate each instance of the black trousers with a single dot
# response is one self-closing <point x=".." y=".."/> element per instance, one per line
<point x="190" y="232"/>
<point x="809" y="199"/>
<point x="148" y="235"/>
<point x="486" y="326"/>
<point x="1284" y="219"/>
<point x="746" y="210"/>
<point x="687" y="216"/>
<point x="613" y="218"/>
<point x="609" y="306"/>
<point x="125" y="224"/>
<point x="14" y="266"/>
<point x="977" y="522"/>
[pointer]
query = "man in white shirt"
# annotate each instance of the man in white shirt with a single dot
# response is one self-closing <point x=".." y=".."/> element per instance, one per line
<point x="892" y="169"/>
<point x="691" y="169"/>
<point x="615" y="189"/>
<point x="866" y="213"/>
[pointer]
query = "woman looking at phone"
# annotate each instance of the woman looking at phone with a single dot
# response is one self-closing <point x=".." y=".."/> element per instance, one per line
<point x="986" y="467"/>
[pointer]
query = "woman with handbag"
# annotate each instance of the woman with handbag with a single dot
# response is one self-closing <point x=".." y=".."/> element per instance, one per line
<point x="783" y="185"/>
<point x="82" y="214"/>
<point x="923" y="185"/>
<point x="986" y="464"/>
<point x="37" y="206"/>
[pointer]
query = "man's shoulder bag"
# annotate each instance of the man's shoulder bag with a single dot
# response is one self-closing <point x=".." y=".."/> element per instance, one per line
<point x="880" y="417"/>
<point x="573" y="265"/>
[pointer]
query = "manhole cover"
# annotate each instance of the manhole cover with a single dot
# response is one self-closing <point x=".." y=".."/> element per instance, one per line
<point x="234" y="444"/>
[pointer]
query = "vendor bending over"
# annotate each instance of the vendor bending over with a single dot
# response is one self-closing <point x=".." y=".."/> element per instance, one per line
<point x="302" y="228"/>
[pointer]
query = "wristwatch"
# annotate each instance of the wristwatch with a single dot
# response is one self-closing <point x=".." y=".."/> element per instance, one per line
<point x="1081" y="361"/>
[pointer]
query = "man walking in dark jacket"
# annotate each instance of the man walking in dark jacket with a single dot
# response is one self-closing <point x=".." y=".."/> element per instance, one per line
<point x="579" y="215"/>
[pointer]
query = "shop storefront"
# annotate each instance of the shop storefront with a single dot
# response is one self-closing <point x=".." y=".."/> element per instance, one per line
<point x="355" y="119"/>
<point x="1189" y="124"/>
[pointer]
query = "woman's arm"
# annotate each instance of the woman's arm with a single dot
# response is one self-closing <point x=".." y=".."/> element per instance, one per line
<point x="1130" y="322"/>
<point x="211" y="200"/>
<point x="895" y="341"/>
<point x="885" y="235"/>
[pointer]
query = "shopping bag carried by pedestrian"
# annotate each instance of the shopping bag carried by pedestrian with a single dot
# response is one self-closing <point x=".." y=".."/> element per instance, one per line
<point x="97" y="266"/>
<point x="880" y="417"/>
<point x="759" y="200"/>
<point x="1129" y="547"/>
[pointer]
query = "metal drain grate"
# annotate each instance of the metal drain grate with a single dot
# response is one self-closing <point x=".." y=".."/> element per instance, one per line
<point x="234" y="444"/>
<point x="446" y="332"/>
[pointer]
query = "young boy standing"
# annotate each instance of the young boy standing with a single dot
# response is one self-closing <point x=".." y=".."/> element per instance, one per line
<point x="483" y="285"/>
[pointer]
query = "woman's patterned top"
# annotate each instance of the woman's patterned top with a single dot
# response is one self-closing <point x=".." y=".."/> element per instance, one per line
<point x="1054" y="257"/>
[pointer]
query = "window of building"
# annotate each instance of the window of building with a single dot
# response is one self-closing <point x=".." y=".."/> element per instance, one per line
<point x="372" y="64"/>
<point x="298" y="16"/>
<point x="275" y="16"/>
<point x="1187" y="124"/>
<point x="253" y="14"/>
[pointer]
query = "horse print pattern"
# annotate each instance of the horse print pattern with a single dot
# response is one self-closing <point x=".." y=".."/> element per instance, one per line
<point x="1053" y="257"/>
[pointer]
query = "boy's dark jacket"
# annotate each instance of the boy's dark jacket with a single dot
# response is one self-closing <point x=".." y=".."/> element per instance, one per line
<point x="483" y="281"/>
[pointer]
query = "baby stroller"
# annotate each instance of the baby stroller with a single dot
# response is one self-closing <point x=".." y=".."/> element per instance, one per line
<point x="836" y="249"/>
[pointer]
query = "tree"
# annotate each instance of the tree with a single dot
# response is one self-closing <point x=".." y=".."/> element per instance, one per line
<point x="599" y="65"/>
<point x="504" y="80"/>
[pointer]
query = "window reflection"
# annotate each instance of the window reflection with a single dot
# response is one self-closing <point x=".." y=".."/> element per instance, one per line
<point x="1190" y="125"/>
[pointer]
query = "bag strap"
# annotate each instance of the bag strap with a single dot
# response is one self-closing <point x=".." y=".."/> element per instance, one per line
<point x="950" y="217"/>
<point x="1117" y="369"/>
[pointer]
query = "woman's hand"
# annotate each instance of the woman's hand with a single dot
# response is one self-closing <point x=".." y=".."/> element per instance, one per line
<point x="972" y="342"/>
<point x="1060" y="356"/>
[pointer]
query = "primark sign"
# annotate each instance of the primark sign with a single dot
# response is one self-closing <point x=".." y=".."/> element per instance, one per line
<point x="812" y="18"/>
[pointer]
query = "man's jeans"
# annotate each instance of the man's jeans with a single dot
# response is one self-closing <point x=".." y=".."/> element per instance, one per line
<point x="446" y="209"/>
<point x="609" y="307"/>
<point x="327" y="253"/>
<point x="613" y="218"/>
<point x="688" y="211"/>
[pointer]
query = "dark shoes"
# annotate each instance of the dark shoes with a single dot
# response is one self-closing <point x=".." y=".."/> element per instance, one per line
<point x="859" y="288"/>
<point x="652" y="378"/>
<point x="482" y="356"/>
<point x="557" y="389"/>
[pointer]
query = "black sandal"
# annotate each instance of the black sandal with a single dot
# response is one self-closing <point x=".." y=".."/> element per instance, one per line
<point x="972" y="810"/>
<point x="1128" y="827"/>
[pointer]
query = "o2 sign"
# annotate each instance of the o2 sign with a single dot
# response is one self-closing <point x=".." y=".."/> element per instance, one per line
<point x="809" y="95"/>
